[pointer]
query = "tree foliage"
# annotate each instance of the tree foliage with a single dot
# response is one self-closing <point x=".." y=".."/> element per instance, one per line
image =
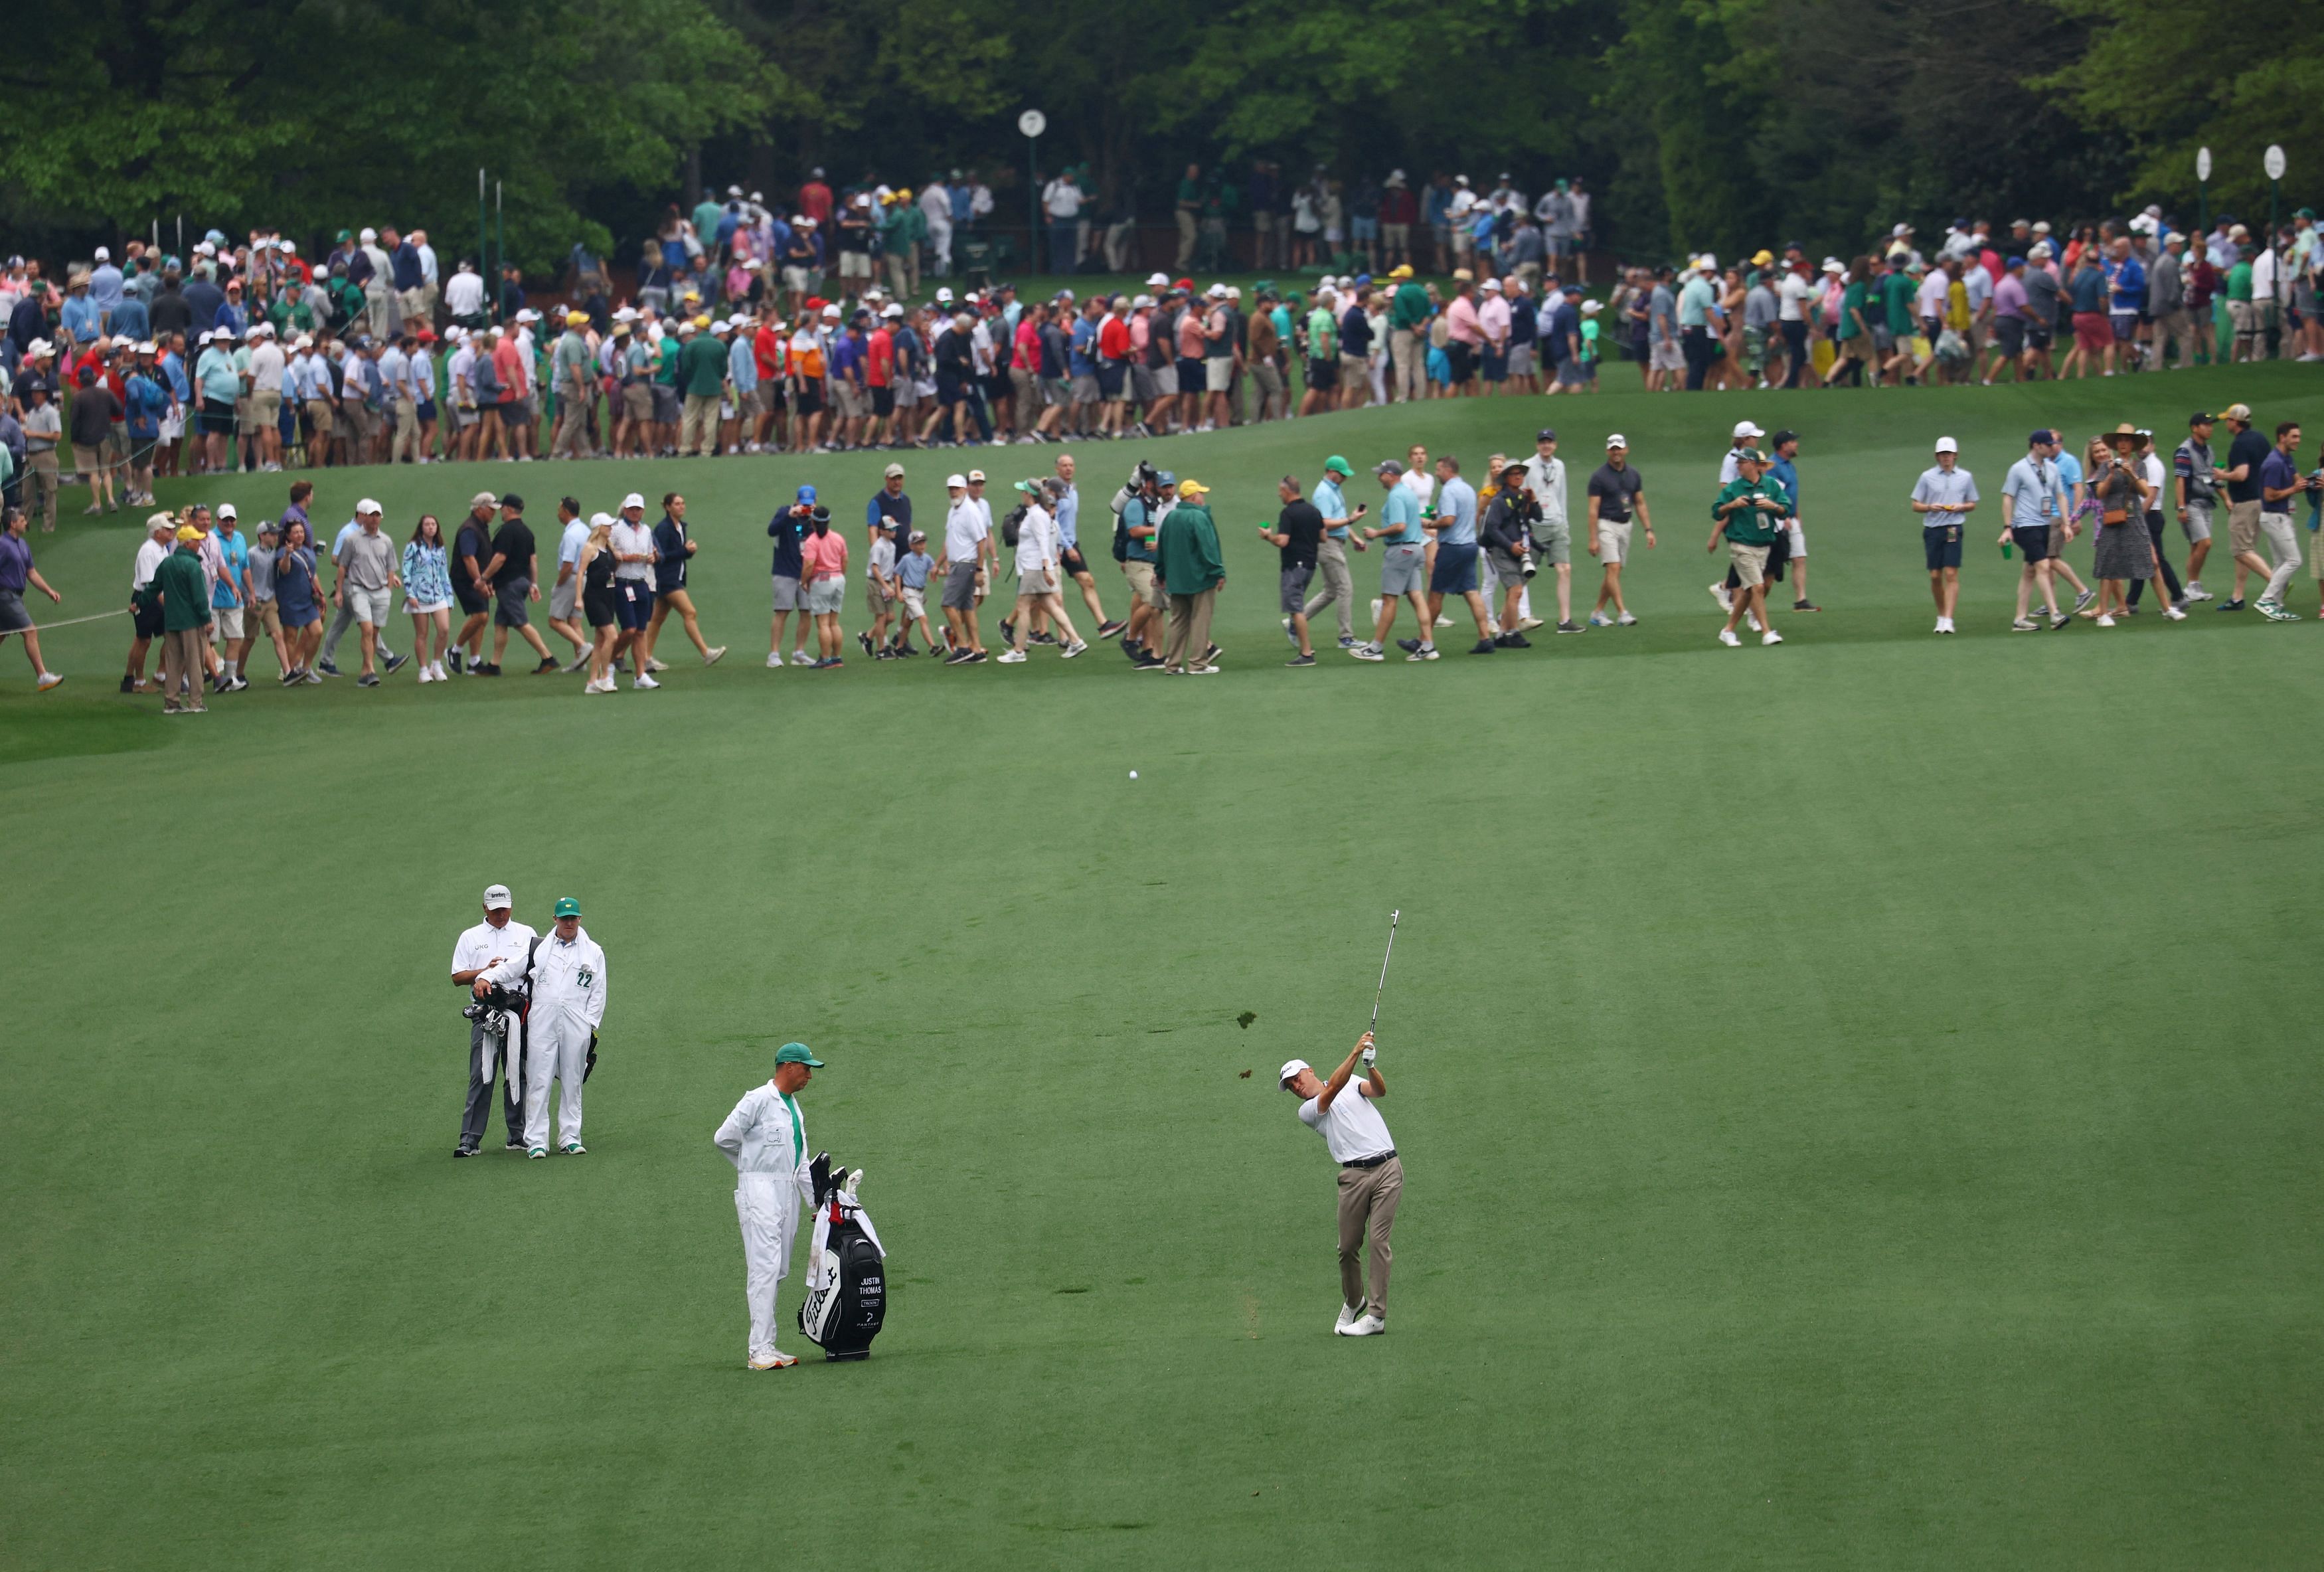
<point x="1701" y="124"/>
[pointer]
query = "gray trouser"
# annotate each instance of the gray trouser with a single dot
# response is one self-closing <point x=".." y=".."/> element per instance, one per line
<point x="478" y="1111"/>
<point x="1368" y="1198"/>
<point x="1339" y="590"/>
<point x="342" y="620"/>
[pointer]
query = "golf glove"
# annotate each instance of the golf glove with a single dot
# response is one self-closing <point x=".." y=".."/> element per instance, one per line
<point x="1370" y="1054"/>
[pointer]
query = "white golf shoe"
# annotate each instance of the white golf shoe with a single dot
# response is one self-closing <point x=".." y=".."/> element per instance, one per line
<point x="1364" y="1327"/>
<point x="1349" y="1316"/>
<point x="772" y="1359"/>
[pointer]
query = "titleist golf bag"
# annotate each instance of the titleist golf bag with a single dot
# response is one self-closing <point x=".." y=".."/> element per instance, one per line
<point x="847" y="1275"/>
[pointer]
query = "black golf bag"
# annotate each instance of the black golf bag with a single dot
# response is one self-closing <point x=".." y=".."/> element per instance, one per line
<point x="847" y="1276"/>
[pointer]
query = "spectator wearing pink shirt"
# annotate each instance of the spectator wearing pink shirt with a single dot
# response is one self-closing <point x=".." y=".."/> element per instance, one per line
<point x="1493" y="326"/>
<point x="1465" y="339"/>
<point x="823" y="575"/>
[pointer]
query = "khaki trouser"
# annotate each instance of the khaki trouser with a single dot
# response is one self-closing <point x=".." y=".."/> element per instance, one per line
<point x="1190" y="627"/>
<point x="41" y="490"/>
<point x="1028" y="397"/>
<point x="407" y="432"/>
<point x="572" y="438"/>
<point x="1274" y="400"/>
<point x="2175" y="328"/>
<point x="182" y="666"/>
<point x="1188" y="231"/>
<point x="1408" y="379"/>
<point x="697" y="428"/>
<point x="1368" y="1198"/>
<point x="1339" y="588"/>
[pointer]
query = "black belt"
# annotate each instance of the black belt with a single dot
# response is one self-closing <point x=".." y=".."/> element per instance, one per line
<point x="1371" y="1162"/>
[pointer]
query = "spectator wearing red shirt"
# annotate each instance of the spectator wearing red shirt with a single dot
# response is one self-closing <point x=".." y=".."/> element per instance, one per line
<point x="1399" y="211"/>
<point x="1025" y="368"/>
<point x="1113" y="348"/>
<point x="767" y="349"/>
<point x="814" y="198"/>
<point x="880" y="378"/>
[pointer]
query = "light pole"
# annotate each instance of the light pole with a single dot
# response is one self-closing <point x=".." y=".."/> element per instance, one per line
<point x="1032" y="123"/>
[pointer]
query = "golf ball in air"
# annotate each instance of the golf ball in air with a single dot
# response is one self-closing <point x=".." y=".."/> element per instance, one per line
<point x="1133" y="775"/>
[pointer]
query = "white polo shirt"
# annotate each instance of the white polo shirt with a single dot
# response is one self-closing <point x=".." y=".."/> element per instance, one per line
<point x="484" y="944"/>
<point x="630" y="540"/>
<point x="965" y="526"/>
<point x="1351" y="1127"/>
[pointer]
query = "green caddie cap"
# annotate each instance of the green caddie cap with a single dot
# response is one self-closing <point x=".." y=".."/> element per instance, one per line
<point x="796" y="1053"/>
<point x="1335" y="465"/>
<point x="567" y="907"/>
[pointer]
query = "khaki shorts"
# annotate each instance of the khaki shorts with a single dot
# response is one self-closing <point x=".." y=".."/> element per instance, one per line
<point x="853" y="402"/>
<point x="637" y="402"/>
<point x="225" y="622"/>
<point x="915" y="602"/>
<point x="1749" y="562"/>
<point x="2243" y="527"/>
<point x="266" y="407"/>
<point x="321" y="414"/>
<point x="1614" y="541"/>
<point x="268" y="618"/>
<point x="1142" y="586"/>
<point x="855" y="264"/>
<point x="876" y="600"/>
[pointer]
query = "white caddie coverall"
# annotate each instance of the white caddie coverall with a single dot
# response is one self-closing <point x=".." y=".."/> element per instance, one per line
<point x="765" y="1138"/>
<point x="568" y="985"/>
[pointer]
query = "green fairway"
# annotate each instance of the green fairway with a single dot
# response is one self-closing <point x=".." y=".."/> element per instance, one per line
<point x="1852" y="1112"/>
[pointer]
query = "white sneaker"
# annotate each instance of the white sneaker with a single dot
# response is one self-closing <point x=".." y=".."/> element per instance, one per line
<point x="437" y="667"/>
<point x="1526" y="625"/>
<point x="427" y="674"/>
<point x="2173" y="614"/>
<point x="49" y="680"/>
<point x="1771" y="637"/>
<point x="774" y="661"/>
<point x="2195" y="590"/>
<point x="1364" y="1327"/>
<point x="657" y="666"/>
<point x="1720" y="593"/>
<point x="2105" y="621"/>
<point x="1626" y="621"/>
<point x="1011" y="657"/>
<point x="644" y="679"/>
<point x="772" y="1359"/>
<point x="1077" y="647"/>
<point x="716" y="653"/>
<point x="1349" y="1316"/>
<point x="1442" y="621"/>
<point x="1727" y="637"/>
<point x="1752" y="621"/>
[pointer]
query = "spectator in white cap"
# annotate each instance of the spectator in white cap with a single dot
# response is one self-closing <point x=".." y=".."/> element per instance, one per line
<point x="366" y="574"/>
<point x="1944" y="496"/>
<point x="495" y="1038"/>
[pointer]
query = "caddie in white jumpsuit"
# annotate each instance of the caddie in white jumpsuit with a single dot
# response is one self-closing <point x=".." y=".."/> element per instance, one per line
<point x="765" y="1138"/>
<point x="567" y="979"/>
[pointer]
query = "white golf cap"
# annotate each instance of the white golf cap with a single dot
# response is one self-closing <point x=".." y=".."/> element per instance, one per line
<point x="103" y="255"/>
<point x="1947" y="444"/>
<point x="891" y="309"/>
<point x="1160" y="280"/>
<point x="1217" y="291"/>
<point x="944" y="297"/>
<point x="1292" y="1068"/>
<point x="1746" y="428"/>
<point x="956" y="481"/>
<point x="600" y="520"/>
<point x="497" y="898"/>
<point x="1617" y="440"/>
<point x="144" y="347"/>
<point x="633" y="501"/>
<point x="368" y="235"/>
<point x="368" y="506"/>
<point x="225" y="511"/>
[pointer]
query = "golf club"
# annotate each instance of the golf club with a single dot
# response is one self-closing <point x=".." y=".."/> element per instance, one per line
<point x="1392" y="916"/>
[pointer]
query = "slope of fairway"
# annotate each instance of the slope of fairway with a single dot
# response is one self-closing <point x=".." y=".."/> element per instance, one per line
<point x="1855" y="1109"/>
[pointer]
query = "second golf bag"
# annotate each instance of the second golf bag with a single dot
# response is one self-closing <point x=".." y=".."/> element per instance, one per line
<point x="846" y="1275"/>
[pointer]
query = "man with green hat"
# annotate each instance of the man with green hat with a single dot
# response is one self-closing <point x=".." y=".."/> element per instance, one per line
<point x="1191" y="570"/>
<point x="765" y="1138"/>
<point x="565" y="976"/>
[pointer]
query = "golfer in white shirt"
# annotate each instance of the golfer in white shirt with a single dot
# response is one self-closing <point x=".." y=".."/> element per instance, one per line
<point x="1371" y="1179"/>
<point x="565" y="976"/>
<point x="765" y="1138"/>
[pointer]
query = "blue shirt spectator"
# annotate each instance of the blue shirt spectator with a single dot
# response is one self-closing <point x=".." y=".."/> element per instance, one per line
<point x="1456" y="499"/>
<point x="1400" y="510"/>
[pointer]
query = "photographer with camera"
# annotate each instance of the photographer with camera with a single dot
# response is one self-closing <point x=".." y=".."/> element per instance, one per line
<point x="495" y="1024"/>
<point x="1508" y="527"/>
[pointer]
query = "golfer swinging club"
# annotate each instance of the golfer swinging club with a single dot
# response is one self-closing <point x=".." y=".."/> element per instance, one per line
<point x="1371" y="1180"/>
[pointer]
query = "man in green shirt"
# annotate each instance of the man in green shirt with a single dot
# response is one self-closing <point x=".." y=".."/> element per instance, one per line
<point x="1322" y="353"/>
<point x="702" y="375"/>
<point x="185" y="595"/>
<point x="1749" y="514"/>
<point x="572" y="378"/>
<point x="1408" y="312"/>
<point x="1191" y="573"/>
<point x="1897" y="294"/>
<point x="2241" y="315"/>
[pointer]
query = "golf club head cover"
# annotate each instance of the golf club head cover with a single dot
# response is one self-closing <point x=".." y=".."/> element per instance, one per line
<point x="820" y="1171"/>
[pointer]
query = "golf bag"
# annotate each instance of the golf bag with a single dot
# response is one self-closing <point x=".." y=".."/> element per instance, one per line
<point x="847" y="1277"/>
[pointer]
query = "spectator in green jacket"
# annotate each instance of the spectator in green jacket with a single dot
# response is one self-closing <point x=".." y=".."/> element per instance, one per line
<point x="1191" y="573"/>
<point x="185" y="595"/>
